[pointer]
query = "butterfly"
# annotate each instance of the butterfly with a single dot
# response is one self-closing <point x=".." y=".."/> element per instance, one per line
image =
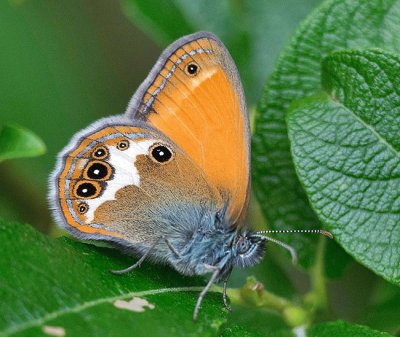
<point x="168" y="180"/>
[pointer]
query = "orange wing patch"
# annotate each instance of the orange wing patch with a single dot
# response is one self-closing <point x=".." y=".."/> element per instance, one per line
<point x="196" y="99"/>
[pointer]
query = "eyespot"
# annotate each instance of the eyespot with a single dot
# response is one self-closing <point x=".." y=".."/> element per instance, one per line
<point x="97" y="170"/>
<point x="123" y="145"/>
<point x="192" y="69"/>
<point x="83" y="207"/>
<point x="161" y="153"/>
<point x="87" y="189"/>
<point x="100" y="152"/>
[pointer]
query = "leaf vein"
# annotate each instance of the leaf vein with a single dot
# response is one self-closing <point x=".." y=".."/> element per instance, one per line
<point x="55" y="314"/>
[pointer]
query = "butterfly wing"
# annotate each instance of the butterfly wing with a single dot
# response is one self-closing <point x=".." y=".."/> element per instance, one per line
<point x="122" y="182"/>
<point x="195" y="97"/>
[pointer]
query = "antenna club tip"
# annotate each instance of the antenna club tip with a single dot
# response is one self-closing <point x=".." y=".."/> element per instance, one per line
<point x="327" y="234"/>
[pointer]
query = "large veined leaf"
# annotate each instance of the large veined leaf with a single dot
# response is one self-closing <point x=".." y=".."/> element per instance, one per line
<point x="346" y="148"/>
<point x="50" y="286"/>
<point x="336" y="25"/>
<point x="61" y="287"/>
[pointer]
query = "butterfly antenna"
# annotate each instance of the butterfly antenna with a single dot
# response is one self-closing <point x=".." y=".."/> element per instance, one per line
<point x="314" y="231"/>
<point x="286" y="246"/>
<point x="291" y="250"/>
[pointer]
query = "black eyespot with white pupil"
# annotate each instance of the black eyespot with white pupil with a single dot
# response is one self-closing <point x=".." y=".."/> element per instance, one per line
<point x="161" y="153"/>
<point x="100" y="152"/>
<point x="83" y="208"/>
<point x="97" y="171"/>
<point x="86" y="190"/>
<point x="123" y="145"/>
<point x="192" y="69"/>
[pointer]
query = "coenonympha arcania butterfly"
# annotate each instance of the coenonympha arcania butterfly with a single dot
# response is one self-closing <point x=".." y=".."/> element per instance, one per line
<point x="169" y="179"/>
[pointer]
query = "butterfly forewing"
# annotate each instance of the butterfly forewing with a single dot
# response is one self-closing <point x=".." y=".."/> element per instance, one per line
<point x="194" y="96"/>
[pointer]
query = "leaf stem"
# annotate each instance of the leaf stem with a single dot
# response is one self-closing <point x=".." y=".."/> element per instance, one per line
<point x="253" y="294"/>
<point x="317" y="298"/>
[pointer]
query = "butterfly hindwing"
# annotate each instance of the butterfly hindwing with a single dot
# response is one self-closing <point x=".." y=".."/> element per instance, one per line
<point x="127" y="184"/>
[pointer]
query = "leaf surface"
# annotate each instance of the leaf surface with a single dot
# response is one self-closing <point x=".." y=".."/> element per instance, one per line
<point x="336" y="25"/>
<point x="51" y="286"/>
<point x="347" y="154"/>
<point x="65" y="284"/>
<point x="18" y="142"/>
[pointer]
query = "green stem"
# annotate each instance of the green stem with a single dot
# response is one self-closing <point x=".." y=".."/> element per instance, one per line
<point x="317" y="298"/>
<point x="253" y="294"/>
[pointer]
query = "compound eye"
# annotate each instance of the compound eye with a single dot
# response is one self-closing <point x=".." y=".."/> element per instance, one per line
<point x="243" y="245"/>
<point x="161" y="153"/>
<point x="192" y="69"/>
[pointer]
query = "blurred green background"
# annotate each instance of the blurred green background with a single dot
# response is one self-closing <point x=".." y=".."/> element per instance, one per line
<point x="64" y="64"/>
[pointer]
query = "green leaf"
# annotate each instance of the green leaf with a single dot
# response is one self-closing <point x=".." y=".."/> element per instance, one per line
<point x="346" y="151"/>
<point x="336" y="25"/>
<point x="343" y="329"/>
<point x="62" y="284"/>
<point x="254" y="31"/>
<point x="65" y="284"/>
<point x="18" y="142"/>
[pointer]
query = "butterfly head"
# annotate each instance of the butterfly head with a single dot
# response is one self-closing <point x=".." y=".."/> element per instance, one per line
<point x="247" y="250"/>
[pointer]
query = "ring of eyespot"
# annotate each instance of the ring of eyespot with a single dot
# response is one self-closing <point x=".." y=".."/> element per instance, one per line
<point x="192" y="69"/>
<point x="87" y="189"/>
<point x="100" y="152"/>
<point x="83" y="207"/>
<point x="161" y="153"/>
<point x="123" y="145"/>
<point x="97" y="170"/>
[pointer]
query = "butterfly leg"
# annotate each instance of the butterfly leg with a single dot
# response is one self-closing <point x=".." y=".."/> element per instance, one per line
<point x="224" y="296"/>
<point x="137" y="263"/>
<point x="203" y="293"/>
<point x="172" y="248"/>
